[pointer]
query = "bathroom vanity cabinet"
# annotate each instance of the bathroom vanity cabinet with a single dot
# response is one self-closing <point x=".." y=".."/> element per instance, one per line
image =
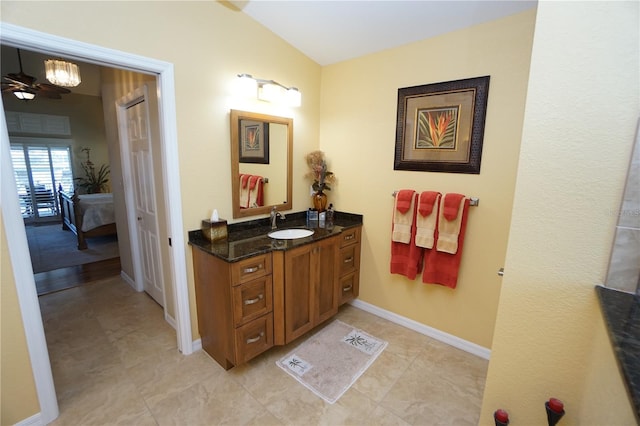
<point x="235" y="307"/>
<point x="275" y="296"/>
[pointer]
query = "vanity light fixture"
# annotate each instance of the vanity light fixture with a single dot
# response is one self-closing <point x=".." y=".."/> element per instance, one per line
<point x="269" y="91"/>
<point x="62" y="73"/>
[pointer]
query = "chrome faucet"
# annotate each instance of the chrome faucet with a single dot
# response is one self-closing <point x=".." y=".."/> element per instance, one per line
<point x="274" y="215"/>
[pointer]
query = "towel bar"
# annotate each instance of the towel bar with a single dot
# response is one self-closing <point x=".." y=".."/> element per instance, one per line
<point x="473" y="201"/>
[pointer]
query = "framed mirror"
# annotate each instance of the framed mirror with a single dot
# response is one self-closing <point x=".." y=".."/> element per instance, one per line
<point x="261" y="155"/>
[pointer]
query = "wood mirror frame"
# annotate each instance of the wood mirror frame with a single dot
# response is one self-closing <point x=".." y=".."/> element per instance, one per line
<point x="237" y="118"/>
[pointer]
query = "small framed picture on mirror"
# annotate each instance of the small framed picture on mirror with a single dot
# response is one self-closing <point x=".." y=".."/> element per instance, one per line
<point x="254" y="142"/>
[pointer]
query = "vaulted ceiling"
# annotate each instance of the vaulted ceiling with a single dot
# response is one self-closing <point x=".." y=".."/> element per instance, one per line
<point x="334" y="31"/>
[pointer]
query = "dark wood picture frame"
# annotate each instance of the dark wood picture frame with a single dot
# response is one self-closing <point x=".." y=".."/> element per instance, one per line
<point x="254" y="142"/>
<point x="440" y="126"/>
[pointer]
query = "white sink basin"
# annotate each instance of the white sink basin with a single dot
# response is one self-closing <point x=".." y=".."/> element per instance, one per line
<point x="290" y="234"/>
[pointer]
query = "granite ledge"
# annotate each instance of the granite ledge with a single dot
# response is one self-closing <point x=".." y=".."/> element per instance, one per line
<point x="621" y="313"/>
<point x="249" y="238"/>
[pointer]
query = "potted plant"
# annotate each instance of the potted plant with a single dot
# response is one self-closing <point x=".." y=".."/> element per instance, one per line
<point x="93" y="182"/>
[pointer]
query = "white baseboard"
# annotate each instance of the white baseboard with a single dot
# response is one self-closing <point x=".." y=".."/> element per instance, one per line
<point x="447" y="338"/>
<point x="171" y="320"/>
<point x="35" y="420"/>
<point x="128" y="280"/>
<point x="196" y="345"/>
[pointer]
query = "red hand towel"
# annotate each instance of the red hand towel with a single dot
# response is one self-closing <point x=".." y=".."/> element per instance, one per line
<point x="260" y="197"/>
<point x="406" y="259"/>
<point x="427" y="219"/>
<point x="403" y="218"/>
<point x="451" y="204"/>
<point x="440" y="267"/>
<point x="403" y="200"/>
<point x="244" y="179"/>
<point x="252" y="181"/>
<point x="426" y="201"/>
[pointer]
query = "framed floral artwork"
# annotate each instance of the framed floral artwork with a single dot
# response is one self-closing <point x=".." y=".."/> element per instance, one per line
<point x="440" y="126"/>
<point x="254" y="142"/>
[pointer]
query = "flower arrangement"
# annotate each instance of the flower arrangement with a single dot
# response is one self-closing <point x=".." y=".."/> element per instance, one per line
<point x="319" y="173"/>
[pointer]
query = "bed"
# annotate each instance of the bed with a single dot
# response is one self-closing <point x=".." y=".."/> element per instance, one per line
<point x="87" y="215"/>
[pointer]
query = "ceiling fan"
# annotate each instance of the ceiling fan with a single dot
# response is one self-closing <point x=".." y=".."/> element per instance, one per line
<point x="24" y="86"/>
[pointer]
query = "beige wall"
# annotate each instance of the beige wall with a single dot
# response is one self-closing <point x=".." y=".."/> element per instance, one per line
<point x="359" y="102"/>
<point x="580" y="119"/>
<point x="18" y="398"/>
<point x="209" y="45"/>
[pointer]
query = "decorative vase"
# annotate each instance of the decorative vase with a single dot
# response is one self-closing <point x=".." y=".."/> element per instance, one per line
<point x="319" y="201"/>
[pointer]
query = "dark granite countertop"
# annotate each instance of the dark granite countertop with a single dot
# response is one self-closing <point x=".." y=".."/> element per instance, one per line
<point x="622" y="315"/>
<point x="246" y="239"/>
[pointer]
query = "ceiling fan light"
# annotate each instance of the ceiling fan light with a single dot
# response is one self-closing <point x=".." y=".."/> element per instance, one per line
<point x="24" y="95"/>
<point x="62" y="73"/>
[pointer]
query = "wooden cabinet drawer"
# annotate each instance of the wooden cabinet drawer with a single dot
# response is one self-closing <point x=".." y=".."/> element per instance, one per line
<point x="252" y="299"/>
<point x="349" y="259"/>
<point x="250" y="269"/>
<point x="254" y="338"/>
<point x="350" y="236"/>
<point x="349" y="287"/>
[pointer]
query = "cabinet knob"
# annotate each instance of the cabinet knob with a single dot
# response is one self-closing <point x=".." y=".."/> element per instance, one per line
<point x="347" y="288"/>
<point x="349" y="237"/>
<point x="348" y="259"/>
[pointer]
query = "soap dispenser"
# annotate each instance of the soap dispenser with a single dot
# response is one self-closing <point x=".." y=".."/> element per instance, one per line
<point x="330" y="214"/>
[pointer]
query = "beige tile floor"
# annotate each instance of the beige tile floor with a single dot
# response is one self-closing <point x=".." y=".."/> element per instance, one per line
<point x="115" y="361"/>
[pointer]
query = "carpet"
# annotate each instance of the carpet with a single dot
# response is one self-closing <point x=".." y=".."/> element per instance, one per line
<point x="330" y="361"/>
<point x="51" y="247"/>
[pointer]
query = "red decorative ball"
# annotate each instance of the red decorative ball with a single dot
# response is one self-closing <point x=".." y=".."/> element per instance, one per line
<point x="556" y="405"/>
<point x="501" y="415"/>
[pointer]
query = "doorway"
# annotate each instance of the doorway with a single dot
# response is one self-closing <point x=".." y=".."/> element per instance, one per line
<point x="14" y="226"/>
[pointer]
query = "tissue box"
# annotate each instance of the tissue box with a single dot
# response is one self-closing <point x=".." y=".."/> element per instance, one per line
<point x="214" y="231"/>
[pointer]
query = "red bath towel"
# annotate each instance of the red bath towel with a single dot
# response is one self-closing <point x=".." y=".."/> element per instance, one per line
<point x="440" y="267"/>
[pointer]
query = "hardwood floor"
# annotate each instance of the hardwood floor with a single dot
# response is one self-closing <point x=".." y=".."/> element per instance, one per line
<point x="73" y="276"/>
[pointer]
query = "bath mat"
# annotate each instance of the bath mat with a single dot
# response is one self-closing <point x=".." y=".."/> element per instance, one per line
<point x="330" y="361"/>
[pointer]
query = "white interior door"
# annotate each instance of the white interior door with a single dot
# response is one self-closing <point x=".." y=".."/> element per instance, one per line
<point x="135" y="139"/>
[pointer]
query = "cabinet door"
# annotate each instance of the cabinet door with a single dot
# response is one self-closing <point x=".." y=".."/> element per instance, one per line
<point x="327" y="253"/>
<point x="298" y="291"/>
